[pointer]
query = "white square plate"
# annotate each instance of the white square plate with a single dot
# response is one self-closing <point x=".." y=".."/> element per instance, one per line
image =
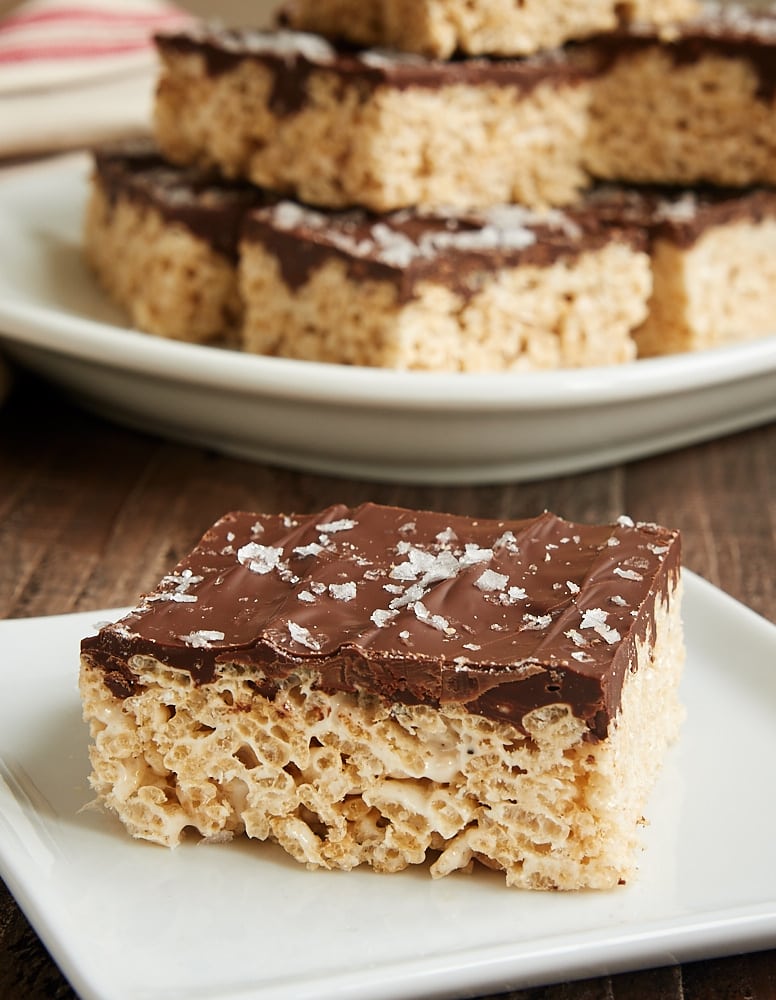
<point x="130" y="921"/>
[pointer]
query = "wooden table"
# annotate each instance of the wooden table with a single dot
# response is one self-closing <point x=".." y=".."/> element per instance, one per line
<point x="92" y="514"/>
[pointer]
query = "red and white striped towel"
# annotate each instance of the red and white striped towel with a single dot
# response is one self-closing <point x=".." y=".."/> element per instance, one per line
<point x="75" y="71"/>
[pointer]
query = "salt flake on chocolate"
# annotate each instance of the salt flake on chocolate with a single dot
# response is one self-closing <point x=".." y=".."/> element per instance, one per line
<point x="313" y="549"/>
<point x="507" y="541"/>
<point x="202" y="638"/>
<point x="435" y="621"/>
<point x="491" y="580"/>
<point x="302" y="635"/>
<point x="595" y="618"/>
<point x="175" y="596"/>
<point x="180" y="584"/>
<point x="537" y="622"/>
<point x="382" y="617"/>
<point x="344" y="524"/>
<point x="473" y="554"/>
<point x="627" y="574"/>
<point x="343" y="591"/>
<point x="580" y="656"/>
<point x="260" y="559"/>
<point x="512" y="595"/>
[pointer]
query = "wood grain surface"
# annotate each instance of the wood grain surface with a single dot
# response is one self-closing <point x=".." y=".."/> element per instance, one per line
<point x="92" y="514"/>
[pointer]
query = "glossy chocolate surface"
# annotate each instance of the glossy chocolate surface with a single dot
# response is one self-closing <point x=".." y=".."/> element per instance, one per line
<point x="412" y="606"/>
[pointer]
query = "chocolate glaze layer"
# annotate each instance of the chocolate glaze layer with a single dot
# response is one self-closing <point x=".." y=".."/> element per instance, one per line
<point x="293" y="56"/>
<point x="208" y="207"/>
<point x="453" y="248"/>
<point x="730" y="30"/>
<point x="679" y="215"/>
<point x="415" y="607"/>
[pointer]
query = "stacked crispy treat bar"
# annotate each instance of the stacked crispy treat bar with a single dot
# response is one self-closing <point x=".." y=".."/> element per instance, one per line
<point x="430" y="202"/>
<point x="386" y="686"/>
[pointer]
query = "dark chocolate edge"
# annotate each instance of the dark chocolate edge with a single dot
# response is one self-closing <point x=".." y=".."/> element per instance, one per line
<point x="350" y="672"/>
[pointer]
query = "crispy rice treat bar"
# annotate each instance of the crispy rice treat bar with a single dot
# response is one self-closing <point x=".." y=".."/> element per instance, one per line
<point x="288" y="111"/>
<point x="713" y="263"/>
<point x="501" y="290"/>
<point x="163" y="242"/>
<point x="698" y="108"/>
<point x="383" y="686"/>
<point x="494" y="290"/>
<point x="441" y="28"/>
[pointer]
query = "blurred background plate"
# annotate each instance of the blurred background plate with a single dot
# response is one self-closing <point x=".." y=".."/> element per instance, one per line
<point x="365" y="423"/>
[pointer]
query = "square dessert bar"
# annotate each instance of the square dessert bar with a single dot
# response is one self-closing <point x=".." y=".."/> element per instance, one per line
<point x="713" y="254"/>
<point x="332" y="127"/>
<point x="504" y="289"/>
<point x="442" y="28"/>
<point x="163" y="241"/>
<point x="698" y="106"/>
<point x="385" y="686"/>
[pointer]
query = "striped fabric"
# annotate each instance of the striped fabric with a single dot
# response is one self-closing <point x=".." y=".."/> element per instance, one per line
<point x="77" y="72"/>
<point x="46" y="43"/>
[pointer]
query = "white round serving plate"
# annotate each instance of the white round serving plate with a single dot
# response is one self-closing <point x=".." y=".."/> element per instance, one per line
<point x="357" y="422"/>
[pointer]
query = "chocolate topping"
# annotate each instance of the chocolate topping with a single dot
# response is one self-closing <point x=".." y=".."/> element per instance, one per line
<point x="210" y="208"/>
<point x="412" y="606"/>
<point x="453" y="248"/>
<point x="679" y="215"/>
<point x="292" y="56"/>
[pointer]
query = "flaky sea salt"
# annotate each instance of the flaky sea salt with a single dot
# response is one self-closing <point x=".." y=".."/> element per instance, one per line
<point x="491" y="580"/>
<point x="343" y="591"/>
<point x="595" y="619"/>
<point x="344" y="524"/>
<point x="627" y="574"/>
<point x="259" y="558"/>
<point x="382" y="617"/>
<point x="537" y="622"/>
<point x="512" y="595"/>
<point x="473" y="554"/>
<point x="576" y="637"/>
<point x="303" y="551"/>
<point x="303" y="636"/>
<point x="175" y="596"/>
<point x="202" y="638"/>
<point x="424" y="615"/>
<point x="507" y="541"/>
